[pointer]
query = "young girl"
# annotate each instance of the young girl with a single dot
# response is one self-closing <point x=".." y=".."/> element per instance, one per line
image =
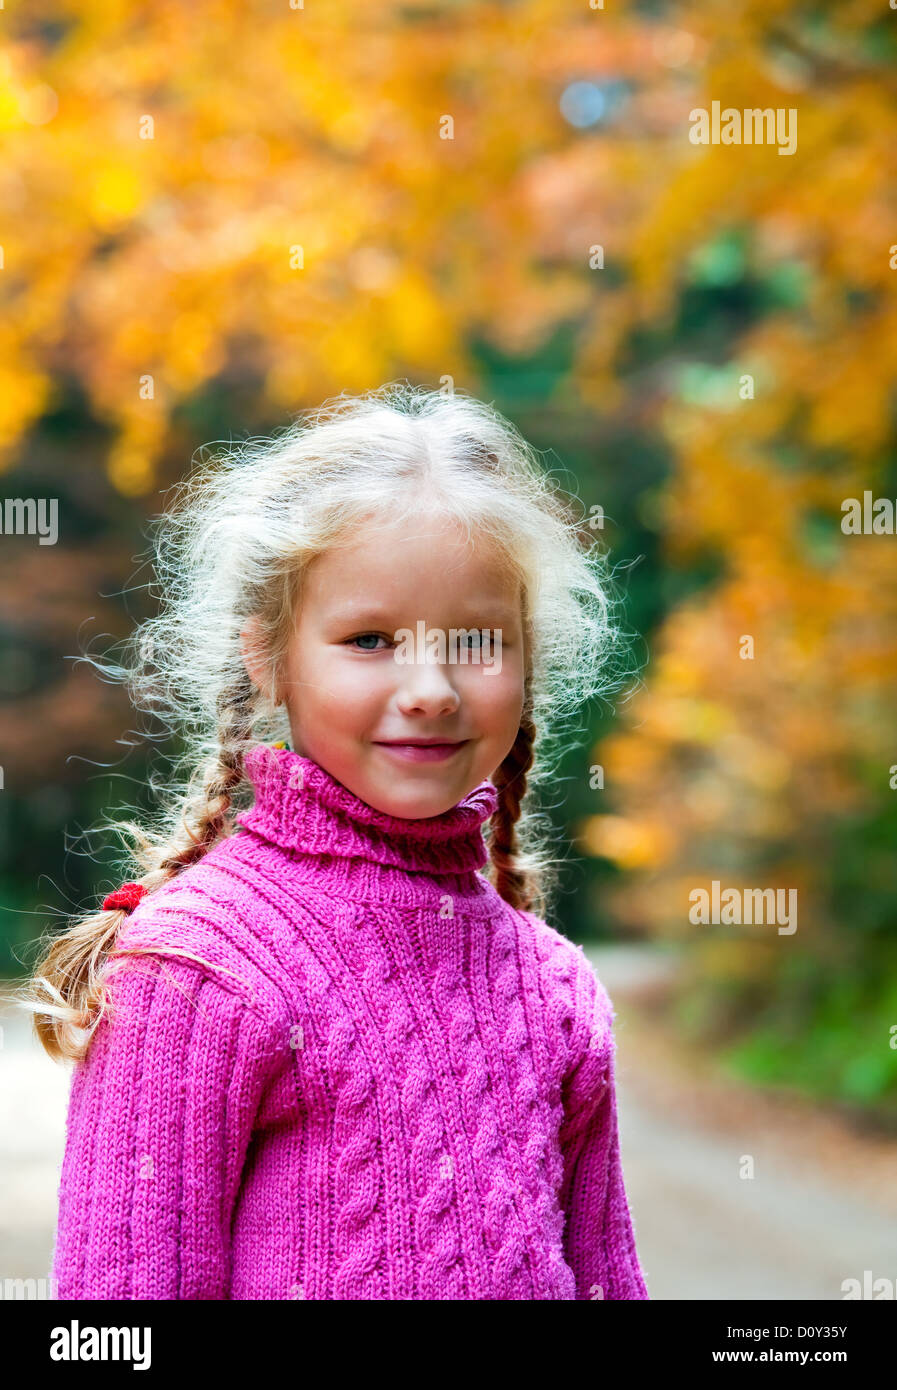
<point x="320" y="1054"/>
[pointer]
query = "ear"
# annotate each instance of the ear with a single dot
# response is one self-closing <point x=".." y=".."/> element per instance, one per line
<point x="252" y="658"/>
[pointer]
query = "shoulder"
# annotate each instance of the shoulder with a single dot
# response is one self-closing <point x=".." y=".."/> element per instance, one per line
<point x="208" y="921"/>
<point x="565" y="967"/>
<point x="579" y="1007"/>
<point x="170" y="1028"/>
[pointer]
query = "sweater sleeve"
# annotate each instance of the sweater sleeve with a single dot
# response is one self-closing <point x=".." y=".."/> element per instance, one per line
<point x="599" y="1239"/>
<point x="159" y="1121"/>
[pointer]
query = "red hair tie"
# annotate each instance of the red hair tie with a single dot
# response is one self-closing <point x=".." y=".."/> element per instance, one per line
<point x="125" y="898"/>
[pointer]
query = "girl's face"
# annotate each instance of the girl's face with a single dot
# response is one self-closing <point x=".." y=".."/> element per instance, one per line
<point x="357" y="696"/>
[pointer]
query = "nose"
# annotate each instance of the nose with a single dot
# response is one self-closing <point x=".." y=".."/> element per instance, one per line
<point x="425" y="687"/>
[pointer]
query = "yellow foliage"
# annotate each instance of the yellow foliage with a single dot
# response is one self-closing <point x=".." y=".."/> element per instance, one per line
<point x="181" y="177"/>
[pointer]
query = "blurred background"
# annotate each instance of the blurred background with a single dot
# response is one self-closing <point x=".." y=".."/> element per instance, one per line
<point x="215" y="215"/>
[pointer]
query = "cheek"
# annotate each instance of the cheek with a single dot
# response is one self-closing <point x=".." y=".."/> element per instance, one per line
<point x="497" y="698"/>
<point x="354" y="685"/>
<point x="307" y="674"/>
<point x="299" y="671"/>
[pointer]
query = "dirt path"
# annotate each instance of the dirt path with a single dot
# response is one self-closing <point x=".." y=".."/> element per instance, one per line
<point x="821" y="1207"/>
<point x="33" y="1097"/>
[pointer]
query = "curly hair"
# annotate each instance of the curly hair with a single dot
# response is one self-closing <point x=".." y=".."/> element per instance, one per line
<point x="232" y="550"/>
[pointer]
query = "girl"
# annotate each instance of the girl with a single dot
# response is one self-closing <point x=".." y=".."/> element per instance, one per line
<point x="320" y="1054"/>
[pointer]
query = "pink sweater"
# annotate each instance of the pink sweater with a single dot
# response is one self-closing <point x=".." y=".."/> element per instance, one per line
<point x="391" y="1085"/>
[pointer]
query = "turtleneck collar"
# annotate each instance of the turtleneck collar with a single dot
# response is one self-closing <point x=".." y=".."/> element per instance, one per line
<point x="302" y="808"/>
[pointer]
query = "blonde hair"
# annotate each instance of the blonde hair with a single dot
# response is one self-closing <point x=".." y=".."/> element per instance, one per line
<point x="234" y="547"/>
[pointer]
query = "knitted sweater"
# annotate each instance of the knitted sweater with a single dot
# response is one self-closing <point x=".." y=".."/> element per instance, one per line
<point x="384" y="1083"/>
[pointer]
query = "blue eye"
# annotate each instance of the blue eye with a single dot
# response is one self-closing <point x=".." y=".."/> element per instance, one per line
<point x="478" y="640"/>
<point x="363" y="637"/>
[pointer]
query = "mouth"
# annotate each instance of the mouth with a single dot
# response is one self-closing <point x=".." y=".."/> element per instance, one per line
<point x="422" y="750"/>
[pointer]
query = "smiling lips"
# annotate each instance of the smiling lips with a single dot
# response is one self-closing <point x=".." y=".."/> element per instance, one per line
<point x="423" y="750"/>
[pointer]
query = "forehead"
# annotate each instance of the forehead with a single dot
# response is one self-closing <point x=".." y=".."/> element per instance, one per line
<point x="422" y="552"/>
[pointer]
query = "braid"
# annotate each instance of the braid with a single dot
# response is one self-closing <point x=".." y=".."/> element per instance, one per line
<point x="511" y="881"/>
<point x="68" y="993"/>
<point x="223" y="774"/>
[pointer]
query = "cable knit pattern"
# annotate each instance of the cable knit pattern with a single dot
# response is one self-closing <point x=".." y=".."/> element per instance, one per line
<point x="382" y="1083"/>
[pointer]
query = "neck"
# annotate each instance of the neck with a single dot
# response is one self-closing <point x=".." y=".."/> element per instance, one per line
<point x="334" y="838"/>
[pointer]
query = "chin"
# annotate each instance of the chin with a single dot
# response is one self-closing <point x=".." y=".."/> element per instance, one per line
<point x="413" y="803"/>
